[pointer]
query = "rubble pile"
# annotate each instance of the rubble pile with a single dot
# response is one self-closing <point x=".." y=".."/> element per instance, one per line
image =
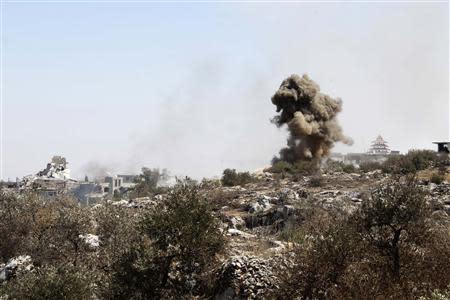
<point x="52" y="181"/>
<point x="246" y="277"/>
<point x="57" y="169"/>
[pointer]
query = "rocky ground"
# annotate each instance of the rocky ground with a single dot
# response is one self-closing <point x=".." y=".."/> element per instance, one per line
<point x="255" y="217"/>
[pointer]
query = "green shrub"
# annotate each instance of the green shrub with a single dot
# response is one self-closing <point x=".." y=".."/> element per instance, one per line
<point x="147" y="182"/>
<point x="438" y="295"/>
<point x="179" y="242"/>
<point x="306" y="167"/>
<point x="389" y="247"/>
<point x="398" y="164"/>
<point x="29" y="224"/>
<point x="437" y="178"/>
<point x="232" y="178"/>
<point x="298" y="168"/>
<point x="422" y="159"/>
<point x="51" y="283"/>
<point x="414" y="160"/>
<point x="281" y="167"/>
<point x="369" y="166"/>
<point x="333" y="166"/>
<point x="316" y="181"/>
<point x="349" y="168"/>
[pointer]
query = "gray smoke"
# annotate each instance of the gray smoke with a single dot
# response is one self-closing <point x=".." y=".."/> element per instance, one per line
<point x="97" y="171"/>
<point x="311" y="119"/>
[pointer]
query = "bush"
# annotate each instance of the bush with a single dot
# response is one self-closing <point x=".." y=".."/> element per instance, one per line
<point x="281" y="167"/>
<point x="179" y="243"/>
<point x="49" y="282"/>
<point x="339" y="166"/>
<point x="414" y="160"/>
<point x="301" y="167"/>
<point x="388" y="248"/>
<point x="437" y="178"/>
<point x="349" y="168"/>
<point x="219" y="198"/>
<point x="316" y="181"/>
<point x="48" y="230"/>
<point x="369" y="166"/>
<point x="147" y="182"/>
<point x="398" y="164"/>
<point x="422" y="159"/>
<point x="232" y="178"/>
<point x="63" y="282"/>
<point x="306" y="167"/>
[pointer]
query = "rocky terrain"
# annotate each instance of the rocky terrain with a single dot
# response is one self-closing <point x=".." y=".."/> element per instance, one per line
<point x="257" y="214"/>
<point x="257" y="219"/>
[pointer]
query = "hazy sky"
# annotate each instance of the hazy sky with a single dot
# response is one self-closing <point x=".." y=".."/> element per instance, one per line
<point x="187" y="86"/>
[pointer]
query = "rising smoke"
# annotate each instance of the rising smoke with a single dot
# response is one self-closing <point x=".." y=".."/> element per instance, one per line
<point x="311" y="119"/>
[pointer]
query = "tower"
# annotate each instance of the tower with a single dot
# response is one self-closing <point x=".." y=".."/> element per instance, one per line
<point x="379" y="146"/>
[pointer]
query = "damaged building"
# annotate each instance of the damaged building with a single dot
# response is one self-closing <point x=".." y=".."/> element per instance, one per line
<point x="55" y="180"/>
<point x="52" y="181"/>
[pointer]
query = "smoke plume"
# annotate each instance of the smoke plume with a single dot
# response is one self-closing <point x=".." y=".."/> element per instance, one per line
<point x="311" y="119"/>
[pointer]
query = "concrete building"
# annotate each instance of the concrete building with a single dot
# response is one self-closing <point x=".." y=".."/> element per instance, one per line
<point x="443" y="147"/>
<point x="114" y="184"/>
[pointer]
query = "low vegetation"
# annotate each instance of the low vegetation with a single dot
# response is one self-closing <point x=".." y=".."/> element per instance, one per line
<point x="316" y="234"/>
<point x="232" y="178"/>
<point x="147" y="183"/>
<point x="145" y="256"/>
<point x="389" y="248"/>
<point x="303" y="167"/>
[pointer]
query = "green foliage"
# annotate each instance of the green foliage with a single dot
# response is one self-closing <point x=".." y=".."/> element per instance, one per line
<point x="316" y="181"/>
<point x="414" y="160"/>
<point x="49" y="230"/>
<point x="438" y="295"/>
<point x="369" y="166"/>
<point x="422" y="159"/>
<point x="388" y="248"/>
<point x="281" y="166"/>
<point x="437" y="178"/>
<point x="147" y="182"/>
<point x="179" y="241"/>
<point x="339" y="166"/>
<point x="232" y="178"/>
<point x="301" y="167"/>
<point x="349" y="168"/>
<point x="398" y="164"/>
<point x="160" y="252"/>
<point x="51" y="283"/>
<point x="306" y="167"/>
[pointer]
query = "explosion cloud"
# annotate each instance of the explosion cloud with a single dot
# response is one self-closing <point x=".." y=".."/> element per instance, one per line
<point x="311" y="119"/>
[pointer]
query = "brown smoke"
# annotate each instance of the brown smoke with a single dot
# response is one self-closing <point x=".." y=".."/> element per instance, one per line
<point x="311" y="119"/>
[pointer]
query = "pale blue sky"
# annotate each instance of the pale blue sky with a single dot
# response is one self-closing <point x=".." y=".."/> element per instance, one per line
<point x="187" y="86"/>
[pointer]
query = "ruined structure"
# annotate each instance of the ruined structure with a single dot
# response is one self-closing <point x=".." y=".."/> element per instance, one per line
<point x="52" y="181"/>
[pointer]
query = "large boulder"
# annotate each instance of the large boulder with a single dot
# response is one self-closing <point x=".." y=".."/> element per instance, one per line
<point x="262" y="204"/>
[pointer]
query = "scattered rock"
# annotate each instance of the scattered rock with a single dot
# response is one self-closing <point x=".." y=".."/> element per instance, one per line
<point x="262" y="204"/>
<point x="14" y="266"/>
<point x="91" y="240"/>
<point x="245" y="277"/>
